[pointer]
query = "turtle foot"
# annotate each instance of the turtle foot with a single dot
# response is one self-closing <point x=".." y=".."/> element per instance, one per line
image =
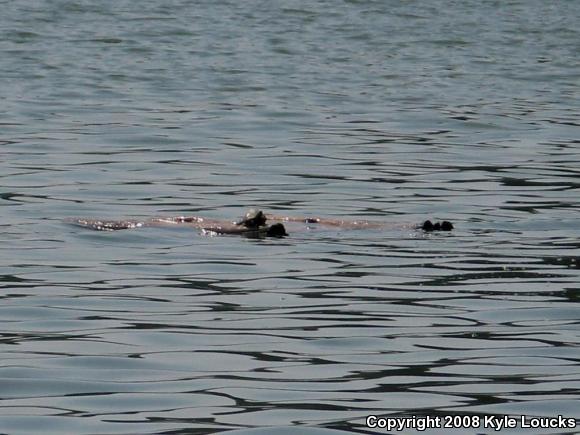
<point x="276" y="230"/>
<point x="429" y="226"/>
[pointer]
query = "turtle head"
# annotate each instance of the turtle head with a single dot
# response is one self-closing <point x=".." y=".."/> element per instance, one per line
<point x="254" y="218"/>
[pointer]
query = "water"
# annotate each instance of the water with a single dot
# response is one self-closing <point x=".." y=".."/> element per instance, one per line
<point x="388" y="110"/>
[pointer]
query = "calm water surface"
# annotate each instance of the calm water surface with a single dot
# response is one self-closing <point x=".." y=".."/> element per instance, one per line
<point x="390" y="110"/>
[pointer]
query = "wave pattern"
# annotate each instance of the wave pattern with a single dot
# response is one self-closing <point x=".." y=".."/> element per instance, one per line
<point x="390" y="111"/>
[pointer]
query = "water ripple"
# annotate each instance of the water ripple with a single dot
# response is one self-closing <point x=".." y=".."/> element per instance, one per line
<point x="347" y="110"/>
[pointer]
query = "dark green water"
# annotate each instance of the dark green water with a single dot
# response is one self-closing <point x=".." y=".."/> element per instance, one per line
<point x="396" y="111"/>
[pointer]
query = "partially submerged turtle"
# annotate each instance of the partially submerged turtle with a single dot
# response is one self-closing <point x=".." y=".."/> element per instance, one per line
<point x="256" y="223"/>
